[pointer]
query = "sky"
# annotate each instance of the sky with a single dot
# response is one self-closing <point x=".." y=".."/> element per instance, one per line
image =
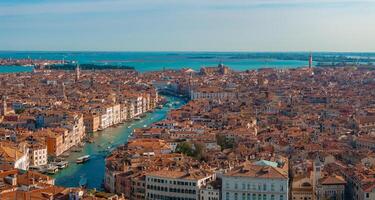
<point x="188" y="25"/>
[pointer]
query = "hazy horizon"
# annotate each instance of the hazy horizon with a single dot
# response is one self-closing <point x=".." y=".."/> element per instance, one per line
<point x="342" y="26"/>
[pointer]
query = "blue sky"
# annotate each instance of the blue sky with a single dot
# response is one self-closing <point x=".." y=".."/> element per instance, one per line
<point x="191" y="25"/>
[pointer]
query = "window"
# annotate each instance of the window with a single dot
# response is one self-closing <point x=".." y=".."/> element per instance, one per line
<point x="227" y="185"/>
<point x="281" y="197"/>
<point x="367" y="195"/>
<point x="264" y="187"/>
<point x="272" y="197"/>
<point x="227" y="196"/>
<point x="243" y="186"/>
<point x="235" y="186"/>
<point x="243" y="196"/>
<point x="264" y="197"/>
<point x="235" y="196"/>
<point x="281" y="188"/>
<point x="272" y="187"/>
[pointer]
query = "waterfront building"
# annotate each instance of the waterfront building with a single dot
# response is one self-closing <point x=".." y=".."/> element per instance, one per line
<point x="55" y="140"/>
<point x="176" y="184"/>
<point x="260" y="180"/>
<point x="123" y="112"/>
<point x="91" y="122"/>
<point x="131" y="110"/>
<point x="38" y="154"/>
<point x="116" y="114"/>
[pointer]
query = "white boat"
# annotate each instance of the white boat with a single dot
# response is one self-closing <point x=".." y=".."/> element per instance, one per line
<point x="83" y="159"/>
<point x="52" y="169"/>
<point x="62" y="164"/>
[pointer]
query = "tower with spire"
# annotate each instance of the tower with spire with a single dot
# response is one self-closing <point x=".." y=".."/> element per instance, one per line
<point x="3" y="108"/>
<point x="310" y="61"/>
<point x="78" y="72"/>
<point x="63" y="92"/>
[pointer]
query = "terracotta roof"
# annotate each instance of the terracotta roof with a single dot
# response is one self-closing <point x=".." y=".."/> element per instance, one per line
<point x="256" y="171"/>
<point x="332" y="180"/>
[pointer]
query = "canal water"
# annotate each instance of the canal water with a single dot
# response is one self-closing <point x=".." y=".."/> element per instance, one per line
<point x="106" y="141"/>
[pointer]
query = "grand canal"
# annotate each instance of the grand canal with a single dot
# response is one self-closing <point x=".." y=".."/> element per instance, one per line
<point x="106" y="141"/>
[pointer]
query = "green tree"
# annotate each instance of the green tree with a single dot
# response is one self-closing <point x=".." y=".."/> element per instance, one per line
<point x="185" y="148"/>
<point x="224" y="142"/>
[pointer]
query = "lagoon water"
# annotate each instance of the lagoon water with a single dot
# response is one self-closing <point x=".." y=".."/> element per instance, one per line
<point x="14" y="69"/>
<point x="151" y="61"/>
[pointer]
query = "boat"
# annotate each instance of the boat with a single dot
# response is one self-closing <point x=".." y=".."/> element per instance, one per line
<point x="160" y="106"/>
<point x="83" y="159"/>
<point x="62" y="164"/>
<point x="36" y="168"/>
<point x="145" y="126"/>
<point x="52" y="169"/>
<point x="137" y="118"/>
<point x="42" y="170"/>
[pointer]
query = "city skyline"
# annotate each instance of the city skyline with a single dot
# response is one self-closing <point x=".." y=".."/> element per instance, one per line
<point x="256" y="26"/>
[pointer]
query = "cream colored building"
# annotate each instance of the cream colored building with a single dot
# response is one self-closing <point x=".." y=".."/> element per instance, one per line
<point x="260" y="180"/>
<point x="38" y="155"/>
<point x="169" y="184"/>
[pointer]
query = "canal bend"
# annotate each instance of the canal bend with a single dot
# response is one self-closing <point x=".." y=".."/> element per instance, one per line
<point x="106" y="141"/>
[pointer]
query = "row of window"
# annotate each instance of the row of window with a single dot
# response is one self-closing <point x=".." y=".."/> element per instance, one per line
<point x="248" y="196"/>
<point x="156" y="180"/>
<point x="255" y="187"/>
<point x="175" y="190"/>
<point x="210" y="198"/>
<point x="163" y="197"/>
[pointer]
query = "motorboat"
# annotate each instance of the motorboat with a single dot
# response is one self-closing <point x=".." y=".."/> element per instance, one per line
<point x="62" y="164"/>
<point x="52" y="169"/>
<point x="83" y="159"/>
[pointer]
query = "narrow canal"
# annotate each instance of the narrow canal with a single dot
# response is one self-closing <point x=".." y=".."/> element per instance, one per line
<point x="106" y="141"/>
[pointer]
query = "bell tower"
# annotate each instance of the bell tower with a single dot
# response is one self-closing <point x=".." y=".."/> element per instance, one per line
<point x="317" y="170"/>
<point x="78" y="72"/>
<point x="3" y="109"/>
